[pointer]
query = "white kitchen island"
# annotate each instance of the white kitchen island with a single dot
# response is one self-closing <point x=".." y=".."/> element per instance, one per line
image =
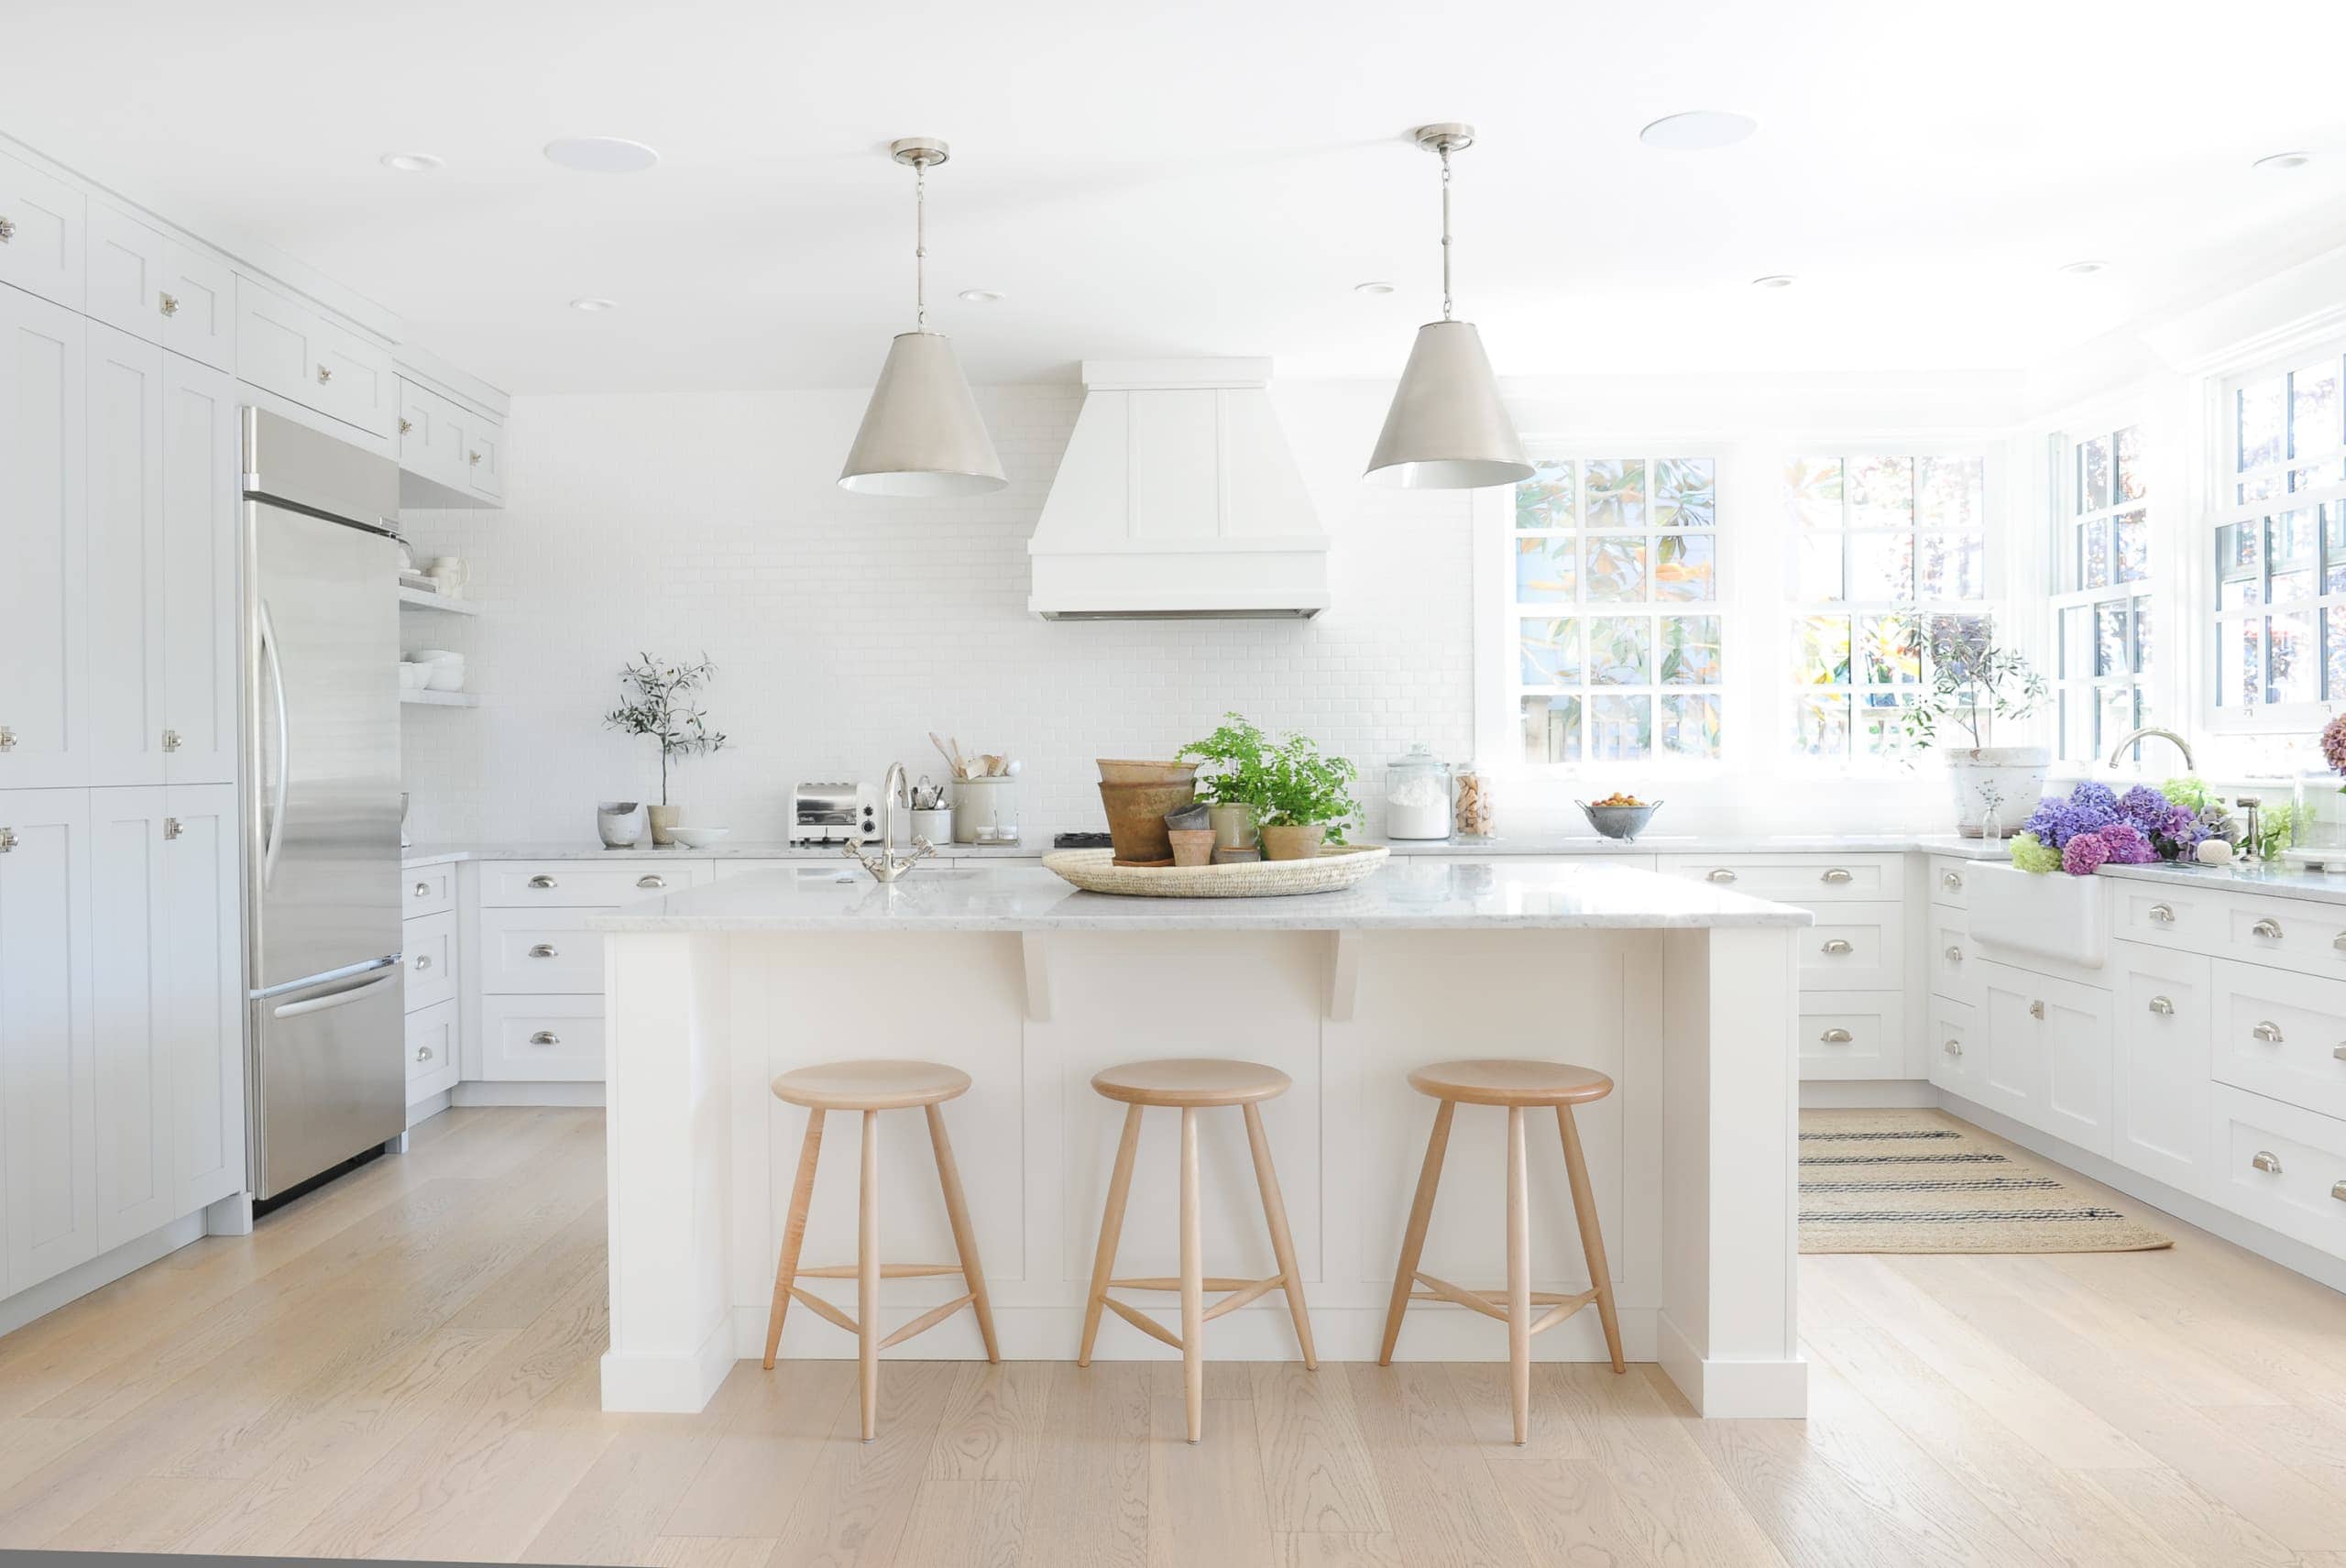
<point x="1685" y="995"/>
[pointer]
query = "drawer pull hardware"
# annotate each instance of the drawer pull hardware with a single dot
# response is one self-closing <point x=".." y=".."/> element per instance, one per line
<point x="2269" y="929"/>
<point x="2267" y="1031"/>
<point x="1836" y="1037"/>
<point x="1835" y="875"/>
<point x="1954" y="1047"/>
<point x="2339" y="1052"/>
<point x="1722" y="874"/>
<point x="423" y="1052"/>
<point x="167" y="304"/>
<point x="2162" y="1006"/>
<point x="545" y="1038"/>
<point x="8" y="230"/>
<point x="8" y="840"/>
<point x="1955" y="955"/>
<point x="2036" y="1010"/>
<point x="171" y="827"/>
<point x="2339" y="941"/>
<point x="423" y="890"/>
<point x="7" y="739"/>
<point x="423" y="963"/>
<point x="170" y="739"/>
<point x="1950" y="882"/>
<point x="542" y="882"/>
<point x="2267" y="1161"/>
<point x="473" y="458"/>
<point x="406" y="427"/>
<point x="654" y="882"/>
<point x="544" y="950"/>
<point x="2162" y="912"/>
<point x="2338" y="1190"/>
<point x="1837" y="946"/>
<point x="325" y="375"/>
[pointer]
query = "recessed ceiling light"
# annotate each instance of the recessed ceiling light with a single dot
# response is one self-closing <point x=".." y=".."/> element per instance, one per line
<point x="601" y="155"/>
<point x="2283" y="160"/>
<point x="1698" y="131"/>
<point x="593" y="305"/>
<point x="980" y="296"/>
<point x="1774" y="281"/>
<point x="2083" y="268"/>
<point x="411" y="162"/>
<point x="1374" y="286"/>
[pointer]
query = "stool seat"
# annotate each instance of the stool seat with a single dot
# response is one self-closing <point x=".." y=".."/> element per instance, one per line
<point x="1191" y="1081"/>
<point x="1497" y="1082"/>
<point x="871" y="1085"/>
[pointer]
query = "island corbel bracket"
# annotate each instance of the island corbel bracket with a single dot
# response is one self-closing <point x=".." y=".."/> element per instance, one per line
<point x="1033" y="946"/>
<point x="1343" y="977"/>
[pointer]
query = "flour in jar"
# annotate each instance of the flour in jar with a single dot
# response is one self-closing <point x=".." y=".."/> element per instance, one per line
<point x="1418" y="808"/>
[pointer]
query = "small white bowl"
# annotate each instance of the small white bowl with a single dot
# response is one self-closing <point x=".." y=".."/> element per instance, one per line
<point x="412" y="676"/>
<point x="444" y="676"/>
<point x="435" y="655"/>
<point x="697" y="838"/>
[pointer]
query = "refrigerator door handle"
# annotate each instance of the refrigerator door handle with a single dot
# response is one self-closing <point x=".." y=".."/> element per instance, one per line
<point x="341" y="998"/>
<point x="274" y="833"/>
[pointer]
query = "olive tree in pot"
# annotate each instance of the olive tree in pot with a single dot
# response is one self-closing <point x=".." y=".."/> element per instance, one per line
<point x="1973" y="683"/>
<point x="661" y="703"/>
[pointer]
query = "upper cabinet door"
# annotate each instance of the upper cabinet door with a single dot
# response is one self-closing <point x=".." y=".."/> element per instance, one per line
<point x="138" y="1183"/>
<point x="203" y="994"/>
<point x="484" y="458"/>
<point x="200" y="493"/>
<point x="431" y="436"/>
<point x="42" y="224"/>
<point x="198" y="304"/>
<point x="43" y="647"/>
<point x="47" y="1159"/>
<point x="297" y="353"/>
<point x="356" y="381"/>
<point x="125" y="273"/>
<point x="125" y="709"/>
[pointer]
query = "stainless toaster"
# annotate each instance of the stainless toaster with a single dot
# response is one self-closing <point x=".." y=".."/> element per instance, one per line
<point x="834" y="813"/>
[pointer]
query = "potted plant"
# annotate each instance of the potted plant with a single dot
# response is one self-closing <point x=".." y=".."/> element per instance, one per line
<point x="660" y="703"/>
<point x="1232" y="779"/>
<point x="1308" y="799"/>
<point x="1974" y="682"/>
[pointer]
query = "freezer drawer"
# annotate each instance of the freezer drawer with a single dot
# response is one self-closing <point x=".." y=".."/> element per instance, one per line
<point x="328" y="1078"/>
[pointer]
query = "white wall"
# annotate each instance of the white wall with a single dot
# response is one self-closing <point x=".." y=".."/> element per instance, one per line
<point x="845" y="627"/>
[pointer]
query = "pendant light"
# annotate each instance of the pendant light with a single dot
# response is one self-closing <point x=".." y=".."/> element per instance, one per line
<point x="1447" y="429"/>
<point x="921" y="434"/>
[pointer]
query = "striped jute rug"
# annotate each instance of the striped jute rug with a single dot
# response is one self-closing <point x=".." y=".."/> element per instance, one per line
<point x="1924" y="1181"/>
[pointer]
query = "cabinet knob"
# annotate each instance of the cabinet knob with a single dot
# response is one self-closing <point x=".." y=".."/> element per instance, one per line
<point x="545" y="1038"/>
<point x="423" y="963"/>
<point x="171" y="827"/>
<point x="473" y="457"/>
<point x="167" y="303"/>
<point x="2338" y="1190"/>
<point x="1835" y="875"/>
<point x="2339" y="941"/>
<point x="1837" y="946"/>
<point x="654" y="882"/>
<point x="1722" y="874"/>
<point x="8" y="230"/>
<point x="2339" y="1052"/>
<point x="1949" y="881"/>
<point x="7" y="739"/>
<point x="2036" y="1010"/>
<point x="2162" y="913"/>
<point x="423" y="890"/>
<point x="1955" y="955"/>
<point x="2162" y="1006"/>
<point x="8" y="840"/>
<point x="542" y="882"/>
<point x="2267" y="1161"/>
<point x="2267" y="1031"/>
<point x="405" y="427"/>
<point x="325" y="375"/>
<point x="170" y="739"/>
<point x="2269" y="929"/>
<point x="544" y="950"/>
<point x="1952" y="1048"/>
<point x="1836" y="1037"/>
<point x="423" y="1052"/>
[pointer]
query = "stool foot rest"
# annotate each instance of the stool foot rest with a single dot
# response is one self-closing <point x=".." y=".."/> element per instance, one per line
<point x="933" y="1317"/>
<point x="887" y="1270"/>
<point x="1240" y="1292"/>
<point x="823" y="1308"/>
<point x="1488" y="1302"/>
<point x="1142" y="1322"/>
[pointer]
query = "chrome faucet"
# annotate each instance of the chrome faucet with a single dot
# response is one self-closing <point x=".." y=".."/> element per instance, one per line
<point x="890" y="865"/>
<point x="2180" y="744"/>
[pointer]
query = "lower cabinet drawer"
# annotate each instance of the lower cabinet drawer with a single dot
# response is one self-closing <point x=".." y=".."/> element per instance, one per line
<point x="1950" y="1045"/>
<point x="1795" y="878"/>
<point x="430" y="889"/>
<point x="1854" y="946"/>
<point x="431" y="1050"/>
<point x="1947" y="880"/>
<point x="541" y="1039"/>
<point x="540" y="950"/>
<point x="2280" y="1035"/>
<point x="2282" y="1166"/>
<point x="1852" y="1034"/>
<point x="1954" y="970"/>
<point x="584" y="884"/>
<point x="430" y="945"/>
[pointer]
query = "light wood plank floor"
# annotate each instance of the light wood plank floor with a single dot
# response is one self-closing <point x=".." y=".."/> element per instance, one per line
<point x="404" y="1365"/>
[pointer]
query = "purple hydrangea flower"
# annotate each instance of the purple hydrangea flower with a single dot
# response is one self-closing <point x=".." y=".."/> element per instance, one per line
<point x="2096" y="797"/>
<point x="2057" y="821"/>
<point x="2144" y="806"/>
<point x="2124" y="845"/>
<point x="2085" y="853"/>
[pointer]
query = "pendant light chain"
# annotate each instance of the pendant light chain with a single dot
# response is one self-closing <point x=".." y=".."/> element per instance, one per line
<point x="1444" y="150"/>
<point x="920" y="244"/>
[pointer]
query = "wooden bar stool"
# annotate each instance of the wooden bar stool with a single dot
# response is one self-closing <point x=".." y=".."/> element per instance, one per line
<point x="1190" y="1087"/>
<point x="872" y="1087"/>
<point x="1515" y="1085"/>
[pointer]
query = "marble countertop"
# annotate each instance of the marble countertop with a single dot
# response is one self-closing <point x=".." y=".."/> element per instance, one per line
<point x="729" y="850"/>
<point x="2275" y="881"/>
<point x="1403" y="896"/>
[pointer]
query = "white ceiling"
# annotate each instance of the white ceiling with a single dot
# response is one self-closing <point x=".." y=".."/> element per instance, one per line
<point x="1211" y="177"/>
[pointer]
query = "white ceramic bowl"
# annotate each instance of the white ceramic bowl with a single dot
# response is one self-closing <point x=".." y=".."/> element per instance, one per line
<point x="435" y="655"/>
<point x="446" y="675"/>
<point x="698" y="838"/>
<point x="411" y="676"/>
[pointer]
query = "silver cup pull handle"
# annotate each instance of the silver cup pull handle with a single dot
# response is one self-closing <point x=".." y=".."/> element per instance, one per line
<point x="2267" y="1161"/>
<point x="544" y="950"/>
<point x="1836" y="1037"/>
<point x="2268" y="929"/>
<point x="1835" y="874"/>
<point x="2162" y="912"/>
<point x="1837" y="947"/>
<point x="1721" y="874"/>
<point x="545" y="1038"/>
<point x="652" y="881"/>
<point x="2162" y="1006"/>
<point x="2267" y="1031"/>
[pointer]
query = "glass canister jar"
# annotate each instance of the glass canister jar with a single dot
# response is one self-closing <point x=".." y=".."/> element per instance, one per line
<point x="1417" y="796"/>
<point x="1475" y="812"/>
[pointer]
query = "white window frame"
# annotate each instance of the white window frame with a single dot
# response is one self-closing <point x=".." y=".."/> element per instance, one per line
<point x="2064" y="448"/>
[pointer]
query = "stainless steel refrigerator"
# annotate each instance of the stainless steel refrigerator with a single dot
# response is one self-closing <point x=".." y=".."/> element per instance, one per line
<point x="321" y="802"/>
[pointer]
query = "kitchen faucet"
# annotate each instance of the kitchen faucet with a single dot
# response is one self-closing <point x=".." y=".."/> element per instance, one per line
<point x="890" y="865"/>
<point x="2180" y="744"/>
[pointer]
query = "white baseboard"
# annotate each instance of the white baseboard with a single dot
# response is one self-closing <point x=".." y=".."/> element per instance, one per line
<point x="1867" y="1093"/>
<point x="1734" y="1390"/>
<point x="132" y="1256"/>
<point x="484" y="1091"/>
<point x="423" y="1110"/>
<point x="671" y="1384"/>
<point x="2286" y="1251"/>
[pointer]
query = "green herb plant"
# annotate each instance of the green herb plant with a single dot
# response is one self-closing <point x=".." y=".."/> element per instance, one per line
<point x="663" y="703"/>
<point x="1288" y="780"/>
<point x="1974" y="682"/>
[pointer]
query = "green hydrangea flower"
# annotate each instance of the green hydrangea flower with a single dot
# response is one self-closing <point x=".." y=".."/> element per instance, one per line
<point x="2033" y="856"/>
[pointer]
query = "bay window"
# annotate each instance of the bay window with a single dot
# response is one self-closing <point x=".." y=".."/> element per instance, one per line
<point x="2101" y="606"/>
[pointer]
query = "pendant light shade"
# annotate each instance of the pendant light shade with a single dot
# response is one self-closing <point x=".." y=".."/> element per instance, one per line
<point x="921" y="434"/>
<point x="1448" y="428"/>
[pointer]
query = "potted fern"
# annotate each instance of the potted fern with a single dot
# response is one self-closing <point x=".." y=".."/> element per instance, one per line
<point x="661" y="703"/>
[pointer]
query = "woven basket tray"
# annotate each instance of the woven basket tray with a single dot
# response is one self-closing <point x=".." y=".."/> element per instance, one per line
<point x="1338" y="866"/>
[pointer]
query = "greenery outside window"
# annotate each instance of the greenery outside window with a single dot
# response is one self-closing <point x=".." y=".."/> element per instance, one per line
<point x="2102" y="588"/>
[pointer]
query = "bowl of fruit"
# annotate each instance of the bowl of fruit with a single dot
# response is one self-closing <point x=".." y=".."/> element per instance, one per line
<point x="1618" y="816"/>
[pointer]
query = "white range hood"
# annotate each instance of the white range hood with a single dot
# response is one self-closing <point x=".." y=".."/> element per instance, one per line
<point x="1177" y="499"/>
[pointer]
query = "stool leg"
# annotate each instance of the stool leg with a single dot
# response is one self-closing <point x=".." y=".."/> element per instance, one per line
<point x="1592" y="1240"/>
<point x="1112" y="1230"/>
<point x="794" y="1232"/>
<point x="965" y="1239"/>
<point x="1518" y="1274"/>
<point x="1193" y="1297"/>
<point x="1282" y="1245"/>
<point x="1413" y="1240"/>
<point x="867" y="1278"/>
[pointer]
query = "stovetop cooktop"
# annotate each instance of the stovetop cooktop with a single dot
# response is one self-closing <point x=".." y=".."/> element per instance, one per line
<point x="1081" y="841"/>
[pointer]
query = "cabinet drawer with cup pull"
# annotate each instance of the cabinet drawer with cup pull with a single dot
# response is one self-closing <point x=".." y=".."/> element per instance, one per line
<point x="1851" y="1035"/>
<point x="546" y="951"/>
<point x="1854" y="946"/>
<point x="427" y="890"/>
<point x="2169" y="916"/>
<point x="428" y="943"/>
<point x="541" y="1038"/>
<point x="2281" y="1166"/>
<point x="431" y="1050"/>
<point x="2280" y="1035"/>
<point x="1953" y="974"/>
<point x="1950" y="1054"/>
<point x="584" y="884"/>
<point x="2287" y="933"/>
<point x="1947" y="878"/>
<point x="1795" y="878"/>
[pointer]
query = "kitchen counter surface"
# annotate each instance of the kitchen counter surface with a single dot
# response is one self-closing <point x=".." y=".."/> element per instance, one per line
<point x="730" y="850"/>
<point x="1402" y="897"/>
<point x="2279" y="880"/>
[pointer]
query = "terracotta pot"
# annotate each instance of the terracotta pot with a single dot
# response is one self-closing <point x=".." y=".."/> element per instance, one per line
<point x="663" y="822"/>
<point x="1123" y="770"/>
<point x="1234" y="827"/>
<point x="1136" y="819"/>
<point x="1293" y="840"/>
<point x="1192" y="846"/>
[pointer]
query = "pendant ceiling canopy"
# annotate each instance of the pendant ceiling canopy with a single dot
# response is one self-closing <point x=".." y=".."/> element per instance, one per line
<point x="921" y="434"/>
<point x="1448" y="428"/>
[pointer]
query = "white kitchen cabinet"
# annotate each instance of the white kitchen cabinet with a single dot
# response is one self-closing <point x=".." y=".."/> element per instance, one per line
<point x="2281" y="1166"/>
<point x="306" y="357"/>
<point x="1953" y="1064"/>
<point x="203" y="998"/>
<point x="2159" y="1071"/>
<point x="2280" y="1034"/>
<point x="44" y="643"/>
<point x="48" y="1091"/>
<point x="541" y="1038"/>
<point x="1854" y="946"/>
<point x="200" y="482"/>
<point x="430" y="889"/>
<point x="429" y="943"/>
<point x="484" y="458"/>
<point x="43" y="222"/>
<point x="125" y="724"/>
<point x="198" y="306"/>
<point x="2045" y="1053"/>
<point x="124" y="268"/>
<point x="1948" y="879"/>
<point x="1803" y="879"/>
<point x="128" y="911"/>
<point x="1949" y="957"/>
<point x="1846" y="1034"/>
<point x="431" y="1051"/>
<point x="430" y="436"/>
<point x="545" y="952"/>
<point x="583" y="884"/>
